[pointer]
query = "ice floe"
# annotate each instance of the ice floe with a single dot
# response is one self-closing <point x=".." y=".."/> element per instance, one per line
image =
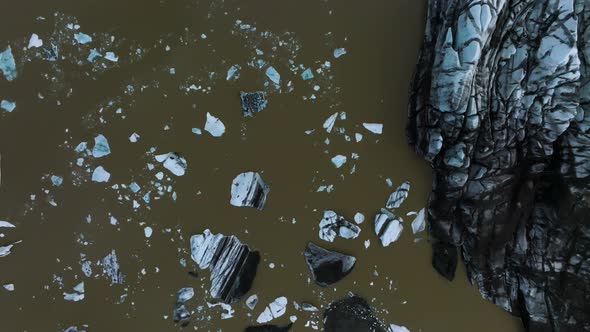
<point x="273" y="75"/>
<point x="327" y="267"/>
<point x="333" y="225"/>
<point x="100" y="175"/>
<point x="232" y="264"/>
<point x="214" y="126"/>
<point x="101" y="147"/>
<point x="35" y="41"/>
<point x="7" y="64"/>
<point x="330" y="121"/>
<point x="419" y="222"/>
<point x="82" y="38"/>
<point x="275" y="309"/>
<point x="397" y="197"/>
<point x="388" y="227"/>
<point x="248" y="189"/>
<point x="375" y="128"/>
<point x="7" y="105"/>
<point x="173" y="162"/>
<point x="339" y="160"/>
<point x="339" y="52"/>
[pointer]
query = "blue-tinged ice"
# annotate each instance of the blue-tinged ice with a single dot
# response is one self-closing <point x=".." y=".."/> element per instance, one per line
<point x="134" y="187"/>
<point x="93" y="55"/>
<point x="57" y="180"/>
<point x="7" y="105"/>
<point x="339" y="52"/>
<point x="375" y="128"/>
<point x="196" y="131"/>
<point x="82" y="38"/>
<point x="232" y="72"/>
<point x="81" y="147"/>
<point x="7" y="64"/>
<point x="101" y="147"/>
<point x="146" y="197"/>
<point x="329" y="123"/>
<point x="111" y="57"/>
<point x="307" y="74"/>
<point x="273" y="75"/>
<point x="100" y="175"/>
<point x="214" y="126"/>
<point x="339" y="160"/>
<point x="35" y="41"/>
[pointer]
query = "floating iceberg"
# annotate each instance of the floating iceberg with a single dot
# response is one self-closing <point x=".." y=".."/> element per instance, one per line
<point x="419" y="223"/>
<point x="233" y="72"/>
<point x="82" y="38"/>
<point x="375" y="128"/>
<point x="100" y="175"/>
<point x="333" y="225"/>
<point x="7" y="105"/>
<point x="101" y="147"/>
<point x="329" y="123"/>
<point x="275" y="309"/>
<point x="339" y="52"/>
<point x="397" y="197"/>
<point x="248" y="189"/>
<point x="327" y="267"/>
<point x="174" y="162"/>
<point x="307" y="74"/>
<point x="273" y="75"/>
<point x="7" y="64"/>
<point x="57" y="180"/>
<point x="388" y="227"/>
<point x="339" y="160"/>
<point x="35" y="41"/>
<point x="214" y="126"/>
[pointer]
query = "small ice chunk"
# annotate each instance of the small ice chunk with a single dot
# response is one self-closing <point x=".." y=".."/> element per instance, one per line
<point x="248" y="189"/>
<point x="82" y="38"/>
<point x="77" y="295"/>
<point x="358" y="137"/>
<point x="275" y="309"/>
<point x="307" y="74"/>
<point x="214" y="126"/>
<point x="419" y="223"/>
<point x="100" y="175"/>
<point x="111" y="57"/>
<point x="196" y="131"/>
<point x="134" y="187"/>
<point x="7" y="64"/>
<point x="133" y="138"/>
<point x="359" y="218"/>
<point x="93" y="55"/>
<point x="252" y="102"/>
<point x="9" y="287"/>
<point x="397" y="328"/>
<point x="57" y="180"/>
<point x="111" y="268"/>
<point x="329" y="123"/>
<point x="6" y="224"/>
<point x="159" y="175"/>
<point x="174" y="162"/>
<point x="339" y="52"/>
<point x="233" y="72"/>
<point x="7" y="105"/>
<point x="397" y="197"/>
<point x="35" y="41"/>
<point x="5" y="250"/>
<point x="375" y="128"/>
<point x="101" y="147"/>
<point x="185" y="294"/>
<point x="273" y="75"/>
<point x="252" y="301"/>
<point x="228" y="311"/>
<point x="339" y="160"/>
<point x="147" y="231"/>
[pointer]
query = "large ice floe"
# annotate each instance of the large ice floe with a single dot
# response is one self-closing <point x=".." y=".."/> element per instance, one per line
<point x="388" y="227"/>
<point x="232" y="264"/>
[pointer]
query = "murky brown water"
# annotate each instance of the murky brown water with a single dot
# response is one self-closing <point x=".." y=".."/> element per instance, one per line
<point x="369" y="83"/>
